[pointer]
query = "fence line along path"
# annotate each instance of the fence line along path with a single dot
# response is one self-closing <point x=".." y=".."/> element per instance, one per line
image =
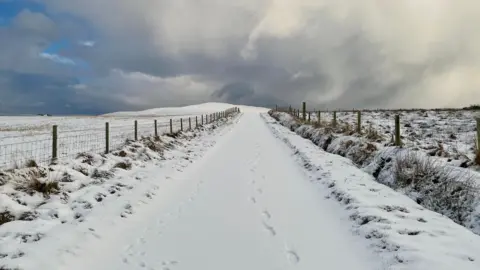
<point x="29" y="147"/>
<point x="447" y="133"/>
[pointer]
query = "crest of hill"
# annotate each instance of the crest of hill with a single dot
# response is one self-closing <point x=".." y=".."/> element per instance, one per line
<point x="203" y="108"/>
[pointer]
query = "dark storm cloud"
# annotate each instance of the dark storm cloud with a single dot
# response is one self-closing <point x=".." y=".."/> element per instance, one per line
<point x="333" y="54"/>
<point x="244" y="94"/>
<point x="34" y="93"/>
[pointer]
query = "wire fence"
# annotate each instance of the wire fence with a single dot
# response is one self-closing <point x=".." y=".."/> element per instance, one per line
<point x="45" y="148"/>
<point x="447" y="133"/>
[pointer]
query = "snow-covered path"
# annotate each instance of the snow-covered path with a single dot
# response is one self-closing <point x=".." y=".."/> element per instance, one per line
<point x="245" y="205"/>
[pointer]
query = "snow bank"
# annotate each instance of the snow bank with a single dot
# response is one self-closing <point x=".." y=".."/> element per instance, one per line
<point x="431" y="182"/>
<point x="36" y="202"/>
<point x="407" y="234"/>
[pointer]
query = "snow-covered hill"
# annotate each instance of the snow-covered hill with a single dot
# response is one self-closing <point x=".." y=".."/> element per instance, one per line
<point x="203" y="108"/>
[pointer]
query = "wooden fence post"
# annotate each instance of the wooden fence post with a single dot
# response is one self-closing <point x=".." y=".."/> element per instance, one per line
<point x="107" y="138"/>
<point x="181" y="124"/>
<point x="136" y="130"/>
<point x="334" y="119"/>
<point x="359" y="122"/>
<point x="156" y="128"/>
<point x="171" y="127"/>
<point x="398" y="142"/>
<point x="309" y="116"/>
<point x="54" y="143"/>
<point x="189" y="123"/>
<point x="319" y="114"/>
<point x="202" y="119"/>
<point x="478" y="133"/>
<point x="304" y="111"/>
<point x="196" y="122"/>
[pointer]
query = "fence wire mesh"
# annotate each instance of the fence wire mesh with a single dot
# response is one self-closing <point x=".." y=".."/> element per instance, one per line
<point x="36" y="148"/>
<point x="16" y="155"/>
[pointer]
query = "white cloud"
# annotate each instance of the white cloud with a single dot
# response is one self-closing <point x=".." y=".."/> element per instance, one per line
<point x="78" y="86"/>
<point x="87" y="43"/>
<point x="139" y="90"/>
<point x="57" y="58"/>
<point x="341" y="52"/>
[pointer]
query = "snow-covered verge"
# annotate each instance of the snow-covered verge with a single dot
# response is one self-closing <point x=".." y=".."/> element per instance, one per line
<point x="408" y="235"/>
<point x="432" y="183"/>
<point x="37" y="202"/>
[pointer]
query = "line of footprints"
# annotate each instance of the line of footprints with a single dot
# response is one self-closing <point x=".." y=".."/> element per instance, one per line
<point x="291" y="254"/>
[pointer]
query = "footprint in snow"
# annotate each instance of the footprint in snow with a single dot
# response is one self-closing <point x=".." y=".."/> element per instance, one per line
<point x="293" y="257"/>
<point x="270" y="229"/>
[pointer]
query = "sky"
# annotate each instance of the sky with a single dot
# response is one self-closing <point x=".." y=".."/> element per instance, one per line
<point x="98" y="56"/>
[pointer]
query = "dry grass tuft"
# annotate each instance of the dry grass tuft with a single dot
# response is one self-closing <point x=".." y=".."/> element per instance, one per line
<point x="373" y="134"/>
<point x="46" y="188"/>
<point x="123" y="165"/>
<point x="6" y="217"/>
<point x="86" y="158"/>
<point x="35" y="184"/>
<point x="31" y="164"/>
<point x="441" y="189"/>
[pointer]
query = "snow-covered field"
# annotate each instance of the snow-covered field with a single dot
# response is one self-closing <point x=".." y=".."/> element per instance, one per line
<point x="30" y="138"/>
<point x="242" y="193"/>
<point x="448" y="134"/>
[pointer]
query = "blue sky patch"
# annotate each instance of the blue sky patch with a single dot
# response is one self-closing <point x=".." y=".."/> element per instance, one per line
<point x="10" y="9"/>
